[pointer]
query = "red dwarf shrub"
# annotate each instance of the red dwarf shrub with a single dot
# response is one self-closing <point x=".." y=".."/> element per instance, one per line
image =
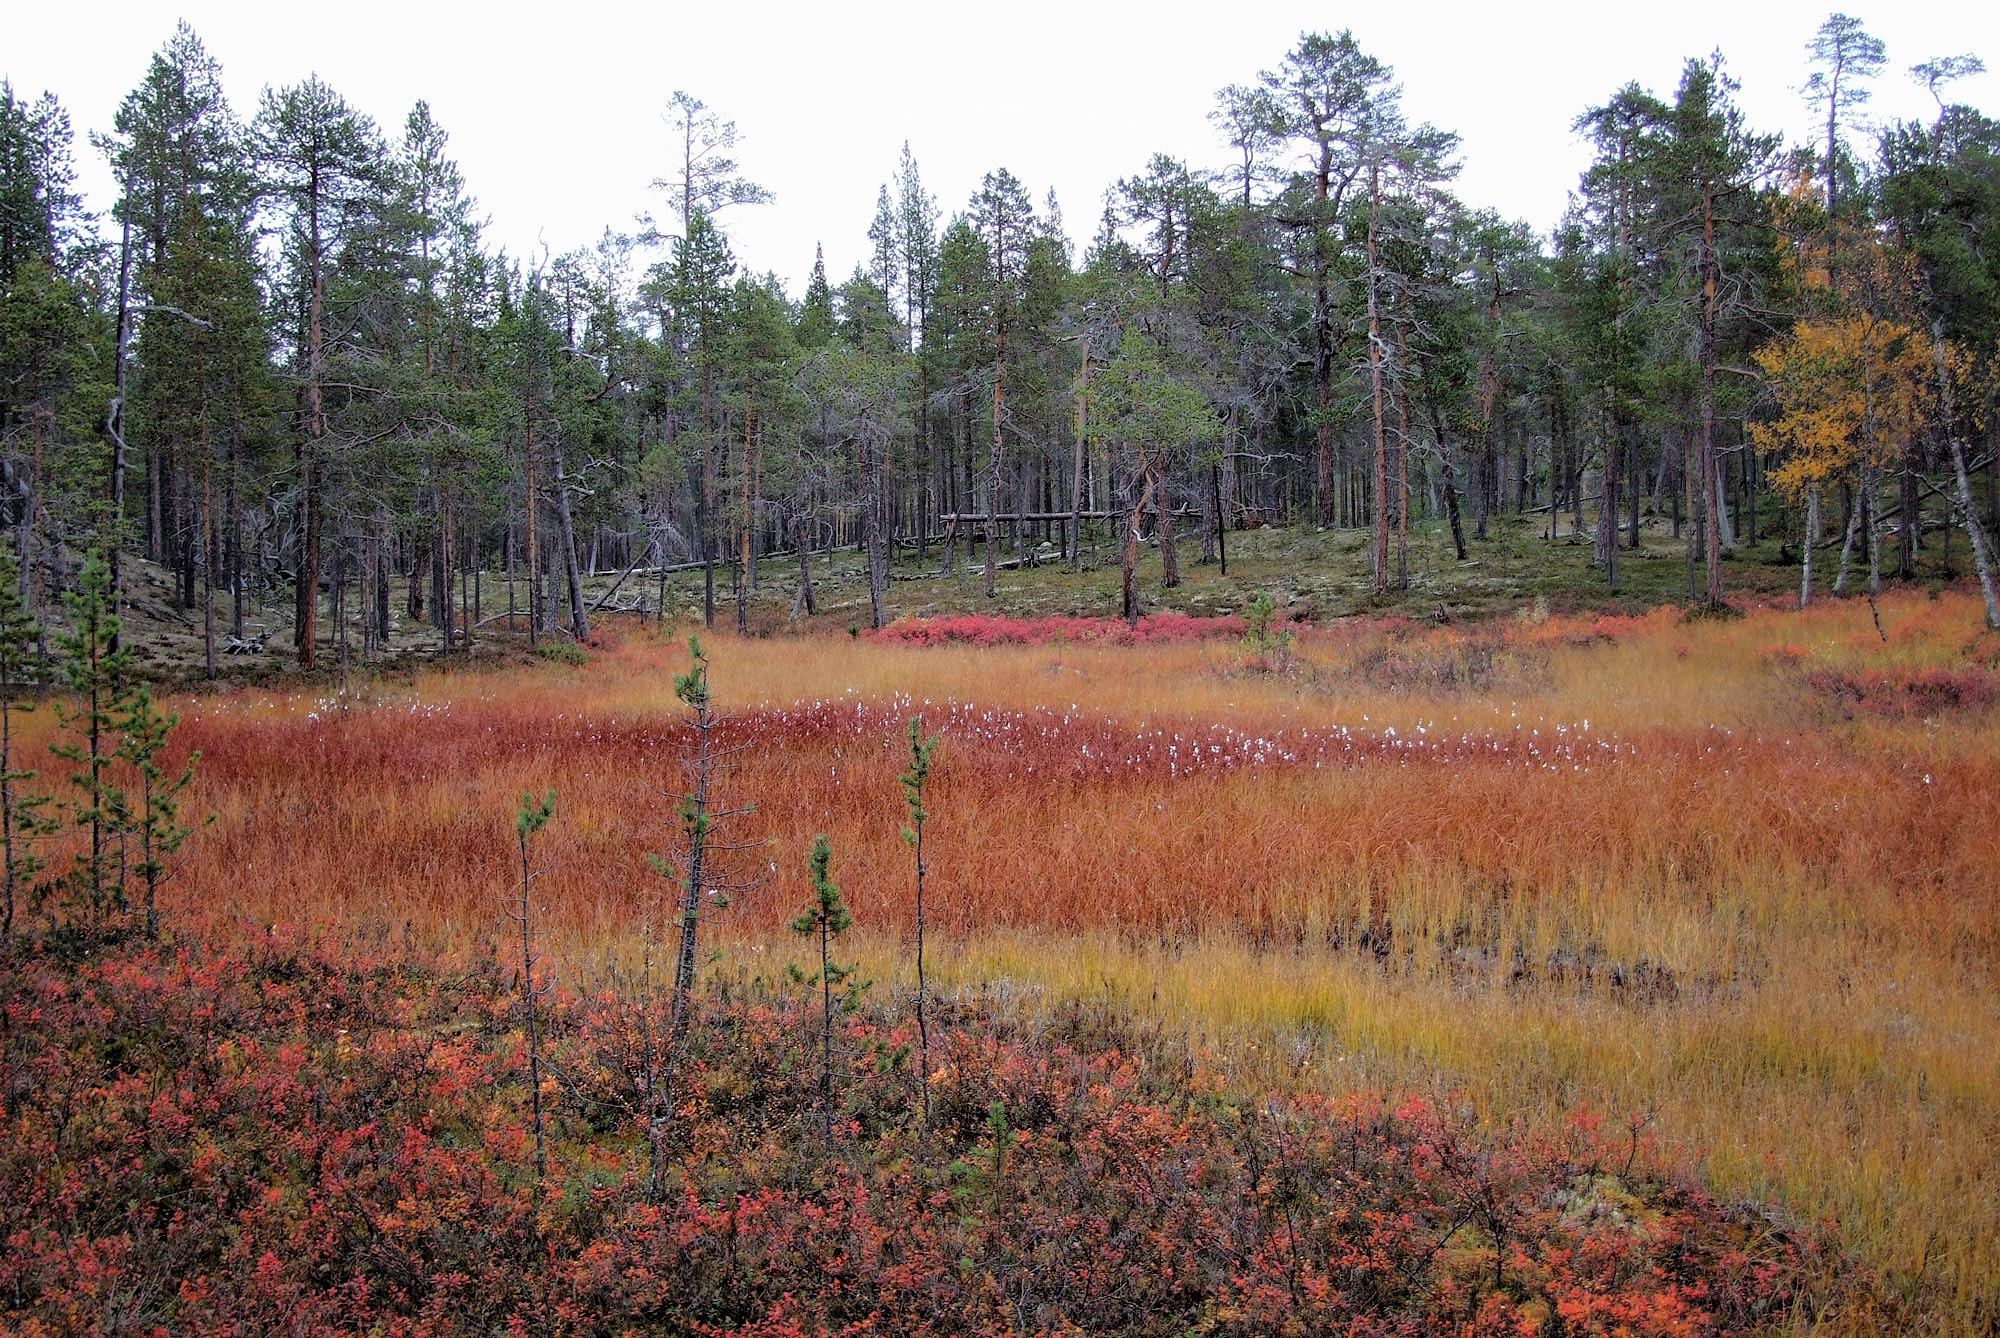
<point x="1901" y="693"/>
<point x="270" y="1139"/>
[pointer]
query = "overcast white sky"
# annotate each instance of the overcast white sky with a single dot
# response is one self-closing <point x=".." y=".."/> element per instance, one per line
<point x="555" y="111"/>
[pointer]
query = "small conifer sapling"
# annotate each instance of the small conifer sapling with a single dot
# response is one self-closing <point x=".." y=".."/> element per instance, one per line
<point x="534" y="816"/>
<point x="826" y="918"/>
<point x="914" y="781"/>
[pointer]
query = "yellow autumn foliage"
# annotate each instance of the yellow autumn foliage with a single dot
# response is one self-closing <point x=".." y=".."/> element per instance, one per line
<point x="1853" y="389"/>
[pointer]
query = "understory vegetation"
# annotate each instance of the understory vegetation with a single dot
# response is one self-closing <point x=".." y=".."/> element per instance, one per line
<point x="1651" y="917"/>
<point x="267" y="1138"/>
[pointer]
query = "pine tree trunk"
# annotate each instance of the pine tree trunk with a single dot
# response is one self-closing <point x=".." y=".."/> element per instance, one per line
<point x="1607" y="504"/>
<point x="744" y="565"/>
<point x="1379" y="552"/>
<point x="1075" y="553"/>
<point x="1711" y="494"/>
<point x="1130" y="554"/>
<point x="579" y="620"/>
<point x="993" y="463"/>
<point x="306" y="627"/>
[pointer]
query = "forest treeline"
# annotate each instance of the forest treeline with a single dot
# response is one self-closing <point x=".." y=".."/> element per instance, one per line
<point x="288" y="367"/>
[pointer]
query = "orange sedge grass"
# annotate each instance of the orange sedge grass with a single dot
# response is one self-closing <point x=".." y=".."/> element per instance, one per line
<point x="1633" y="863"/>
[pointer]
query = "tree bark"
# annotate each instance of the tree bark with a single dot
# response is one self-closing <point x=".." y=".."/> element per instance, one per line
<point x="1075" y="554"/>
<point x="1968" y="511"/>
<point x="993" y="463"/>
<point x="1811" y="542"/>
<point x="579" y="619"/>
<point x="1130" y="554"/>
<point x="1170" y="562"/>
<point x="1711" y="297"/>
<point x="1380" y="517"/>
<point x="743" y="572"/>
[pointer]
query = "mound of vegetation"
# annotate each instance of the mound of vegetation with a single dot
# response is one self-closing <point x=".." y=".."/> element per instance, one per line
<point x="974" y="629"/>
<point x="209" y="1137"/>
<point x="1899" y="693"/>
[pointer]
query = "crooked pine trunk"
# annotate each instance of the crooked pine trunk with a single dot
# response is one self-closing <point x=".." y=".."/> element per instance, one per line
<point x="1130" y="555"/>
<point x="1448" y="472"/>
<point x="1380" y="519"/>
<point x="805" y="599"/>
<point x="579" y="620"/>
<point x="872" y="537"/>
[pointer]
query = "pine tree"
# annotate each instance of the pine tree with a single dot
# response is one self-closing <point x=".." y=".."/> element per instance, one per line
<point x="1324" y="99"/>
<point x="54" y="338"/>
<point x="1845" y="58"/>
<point x="759" y="353"/>
<point x="199" y="352"/>
<point x="1941" y="199"/>
<point x="1003" y="220"/>
<point x="97" y="670"/>
<point x="144" y="730"/>
<point x="697" y="881"/>
<point x="701" y="271"/>
<point x="826" y="919"/>
<point x="914" y="782"/>
<point x="884" y="246"/>
<point x="534" y="815"/>
<point x="815" y="323"/>
<point x="916" y="223"/>
<point x="1714" y="167"/>
<point x="322" y="163"/>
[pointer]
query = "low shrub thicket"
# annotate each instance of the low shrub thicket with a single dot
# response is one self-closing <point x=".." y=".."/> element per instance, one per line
<point x="276" y="1138"/>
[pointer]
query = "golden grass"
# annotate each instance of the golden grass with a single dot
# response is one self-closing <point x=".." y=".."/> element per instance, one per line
<point x="1635" y="864"/>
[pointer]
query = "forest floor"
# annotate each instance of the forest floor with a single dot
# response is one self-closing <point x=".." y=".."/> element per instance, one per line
<point x="1723" y="882"/>
<point x="1316" y="575"/>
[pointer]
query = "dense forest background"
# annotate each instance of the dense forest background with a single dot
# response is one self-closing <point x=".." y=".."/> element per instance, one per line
<point x="291" y="370"/>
